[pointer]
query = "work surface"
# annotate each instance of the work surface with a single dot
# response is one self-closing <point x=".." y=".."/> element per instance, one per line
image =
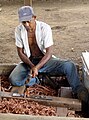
<point x="27" y="117"/>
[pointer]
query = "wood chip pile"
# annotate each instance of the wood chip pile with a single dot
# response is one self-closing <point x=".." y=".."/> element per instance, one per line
<point x="40" y="90"/>
<point x="18" y="106"/>
<point x="25" y="107"/>
<point x="5" y="84"/>
<point x="33" y="90"/>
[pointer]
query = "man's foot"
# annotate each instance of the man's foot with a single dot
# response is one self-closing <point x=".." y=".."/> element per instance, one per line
<point x="83" y="95"/>
<point x="85" y="109"/>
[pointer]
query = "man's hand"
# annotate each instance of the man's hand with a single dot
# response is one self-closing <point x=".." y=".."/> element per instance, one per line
<point x="34" y="71"/>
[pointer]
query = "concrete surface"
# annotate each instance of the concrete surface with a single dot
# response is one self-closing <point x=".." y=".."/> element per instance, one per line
<point x="29" y="117"/>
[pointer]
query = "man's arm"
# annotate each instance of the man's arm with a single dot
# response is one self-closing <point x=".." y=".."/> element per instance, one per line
<point x="24" y="58"/>
<point x="46" y="57"/>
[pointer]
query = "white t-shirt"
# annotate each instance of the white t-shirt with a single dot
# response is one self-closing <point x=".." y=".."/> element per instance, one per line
<point x="43" y="34"/>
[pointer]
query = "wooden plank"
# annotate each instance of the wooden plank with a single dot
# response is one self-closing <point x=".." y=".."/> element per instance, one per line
<point x="85" y="59"/>
<point x="30" y="117"/>
<point x="28" y="2"/>
<point x="0" y="87"/>
<point x="0" y="83"/>
<point x="62" y="112"/>
<point x="72" y="104"/>
<point x="5" y="69"/>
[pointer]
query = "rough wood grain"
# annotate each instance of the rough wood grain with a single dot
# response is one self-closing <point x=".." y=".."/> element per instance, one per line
<point x="5" y="69"/>
<point x="72" y="104"/>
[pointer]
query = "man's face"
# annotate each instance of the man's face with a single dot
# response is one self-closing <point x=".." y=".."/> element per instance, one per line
<point x="29" y="24"/>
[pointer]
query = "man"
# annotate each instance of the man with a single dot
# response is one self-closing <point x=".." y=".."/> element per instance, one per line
<point x="34" y="45"/>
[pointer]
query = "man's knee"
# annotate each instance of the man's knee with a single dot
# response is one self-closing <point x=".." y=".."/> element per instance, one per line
<point x="18" y="75"/>
<point x="70" y="65"/>
<point x="15" y="81"/>
<point x="12" y="80"/>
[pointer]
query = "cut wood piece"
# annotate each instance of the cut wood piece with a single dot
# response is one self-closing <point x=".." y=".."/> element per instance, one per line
<point x="71" y="113"/>
<point x="20" y="90"/>
<point x="72" y="104"/>
<point x="62" y="112"/>
<point x="5" y="94"/>
<point x="66" y="92"/>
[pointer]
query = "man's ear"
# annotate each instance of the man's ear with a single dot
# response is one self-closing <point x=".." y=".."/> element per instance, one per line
<point x="34" y="17"/>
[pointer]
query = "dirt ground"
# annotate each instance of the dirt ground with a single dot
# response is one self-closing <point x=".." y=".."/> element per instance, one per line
<point x="69" y="20"/>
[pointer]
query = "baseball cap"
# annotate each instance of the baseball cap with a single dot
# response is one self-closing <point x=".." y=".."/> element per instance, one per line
<point x="25" y="13"/>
